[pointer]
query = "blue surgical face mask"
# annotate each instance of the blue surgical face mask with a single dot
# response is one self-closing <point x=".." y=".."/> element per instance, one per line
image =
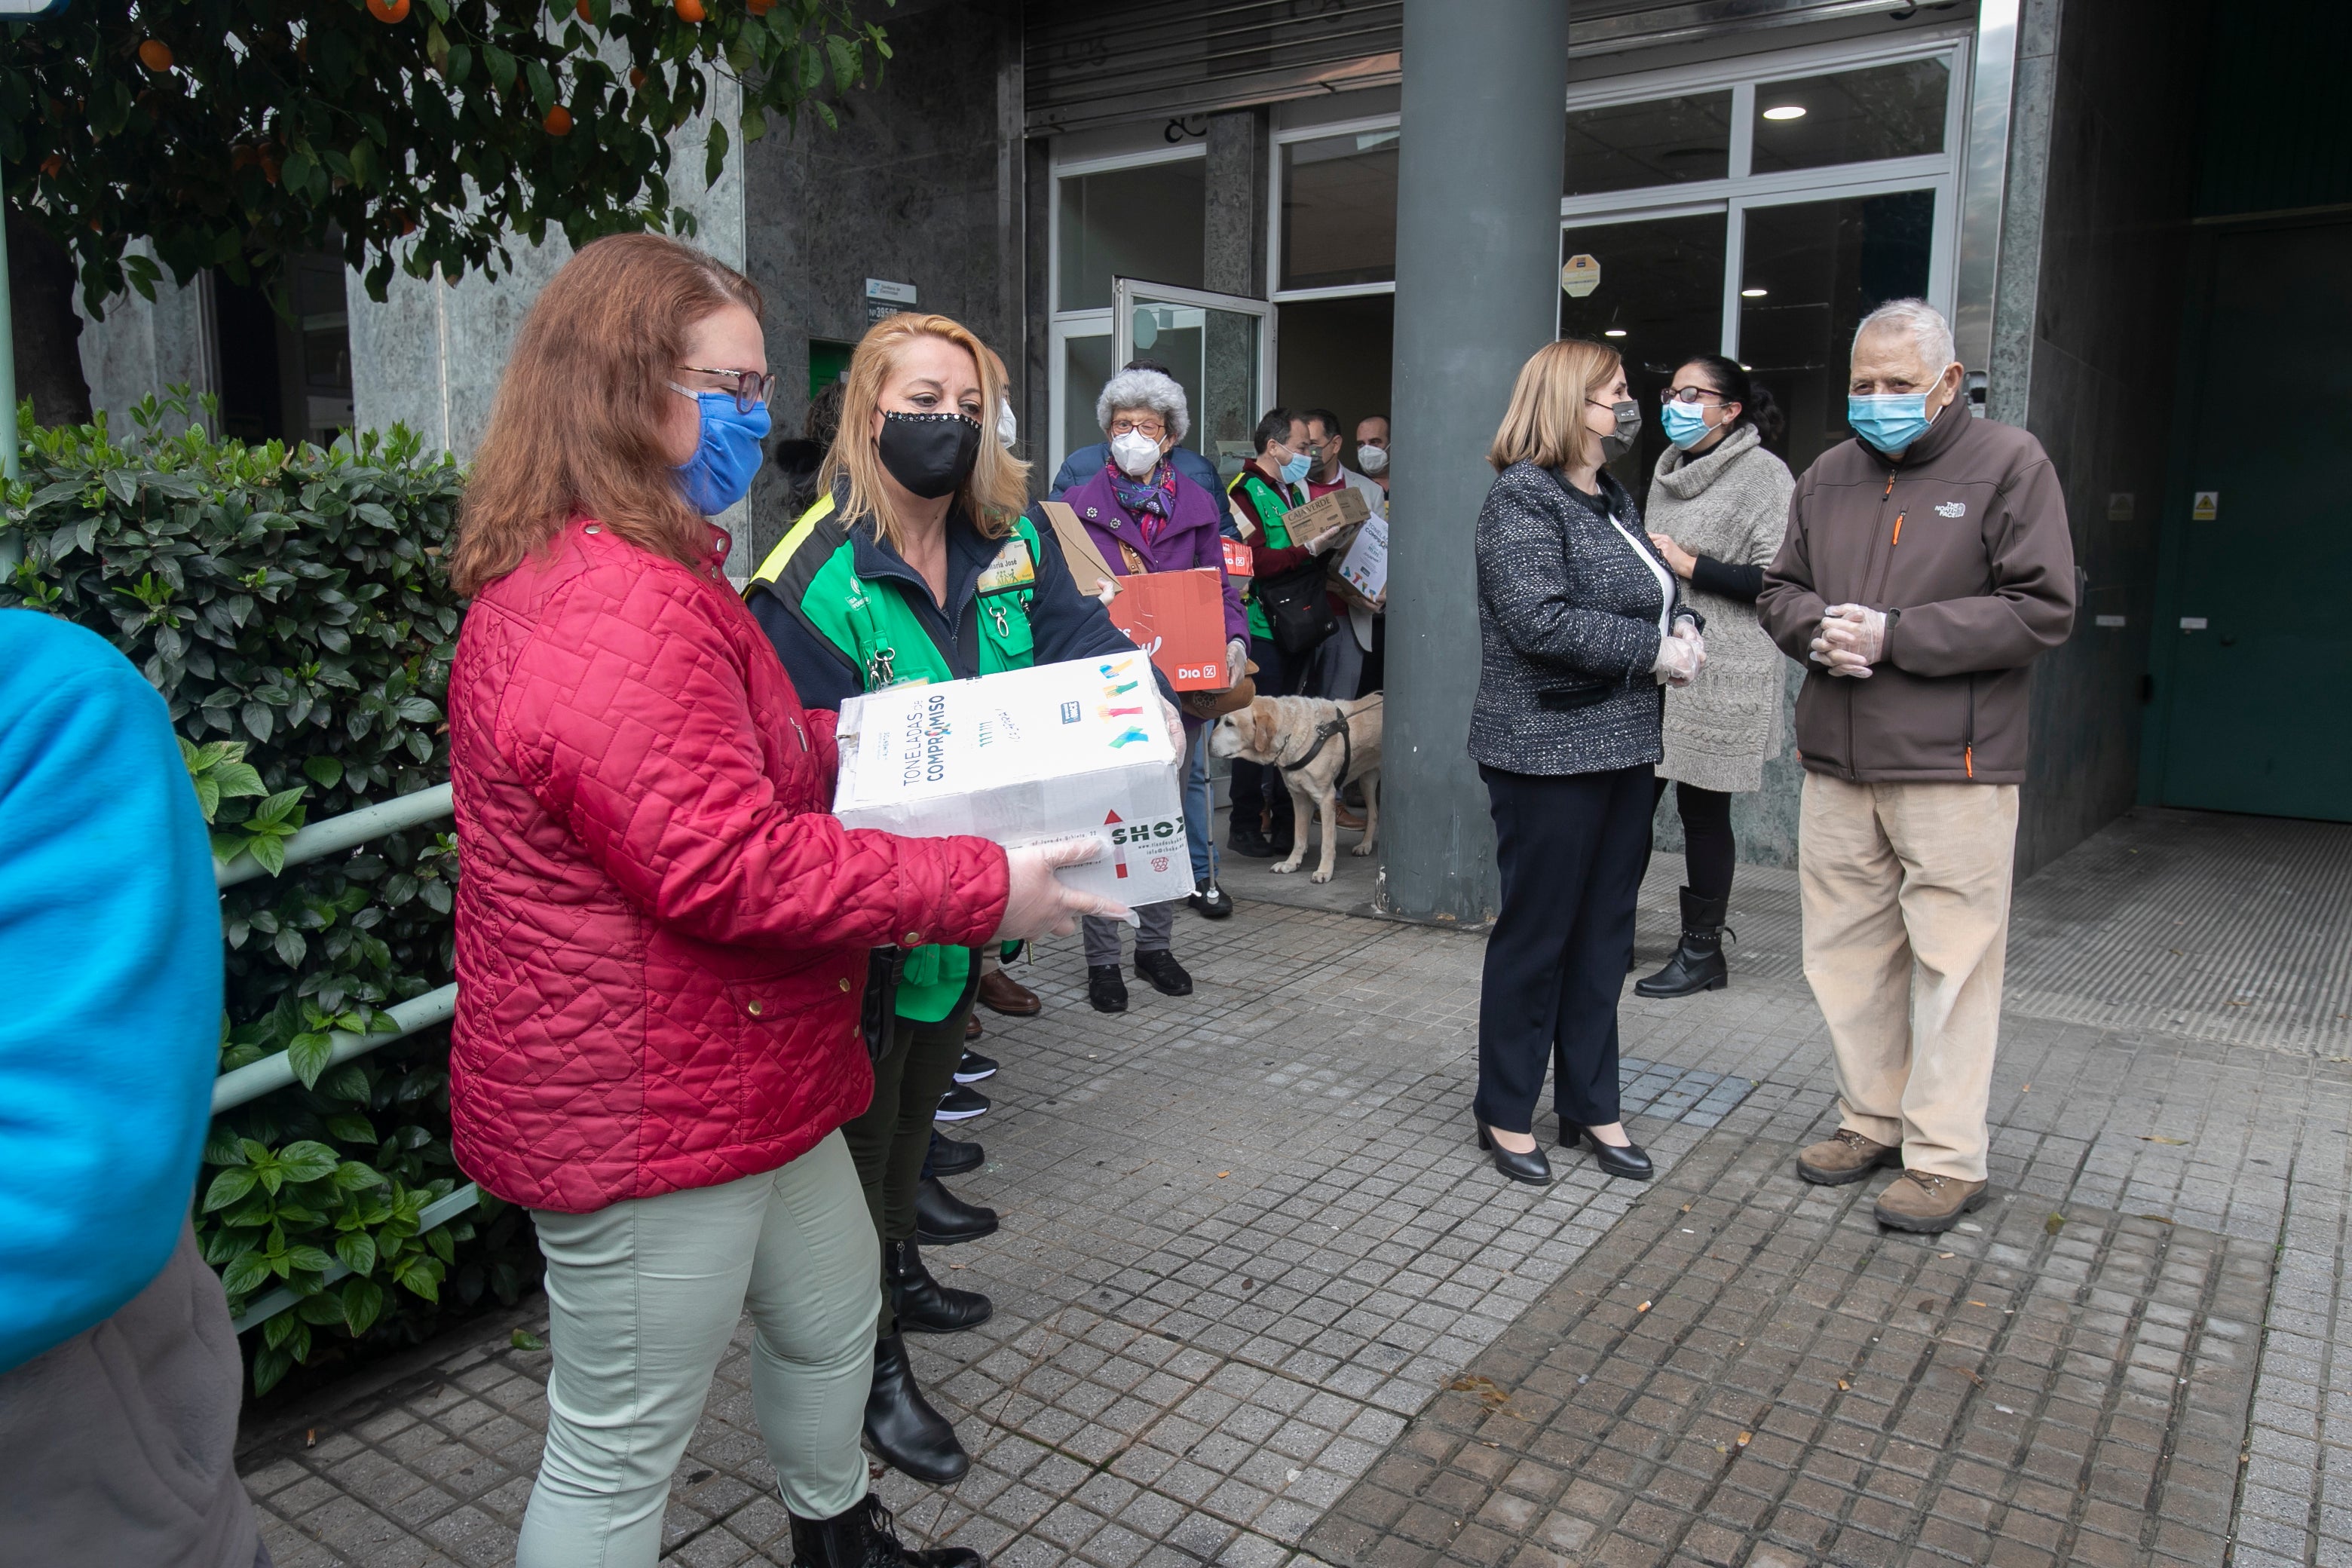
<point x="1295" y="469"/>
<point x="720" y="473"/>
<point x="1890" y="421"/>
<point x="1686" y="424"/>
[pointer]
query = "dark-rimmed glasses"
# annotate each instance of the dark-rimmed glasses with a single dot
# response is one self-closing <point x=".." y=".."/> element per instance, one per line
<point x="1690" y="394"/>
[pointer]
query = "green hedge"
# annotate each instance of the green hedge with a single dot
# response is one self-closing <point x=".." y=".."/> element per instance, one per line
<point x="289" y="604"/>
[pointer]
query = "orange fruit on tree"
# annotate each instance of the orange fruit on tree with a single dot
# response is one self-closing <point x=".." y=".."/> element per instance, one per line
<point x="759" y="8"/>
<point x="636" y="79"/>
<point x="558" y="122"/>
<point x="582" y="7"/>
<point x="155" y="55"/>
<point x="52" y="164"/>
<point x="388" y="11"/>
<point x="691" y="11"/>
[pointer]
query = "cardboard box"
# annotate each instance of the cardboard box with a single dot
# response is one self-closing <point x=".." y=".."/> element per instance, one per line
<point x="1179" y="618"/>
<point x="1365" y="567"/>
<point x="1239" y="562"/>
<point x="1060" y="751"/>
<point x="1341" y="508"/>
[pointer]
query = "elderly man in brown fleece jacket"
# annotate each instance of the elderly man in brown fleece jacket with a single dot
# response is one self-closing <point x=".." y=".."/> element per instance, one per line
<point x="1927" y="566"/>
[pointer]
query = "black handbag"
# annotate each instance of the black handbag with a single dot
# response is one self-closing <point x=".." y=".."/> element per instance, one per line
<point x="879" y="1009"/>
<point x="1297" y="606"/>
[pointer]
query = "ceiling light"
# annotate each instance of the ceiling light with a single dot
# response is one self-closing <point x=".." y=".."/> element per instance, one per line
<point x="1785" y="111"/>
<point x="1614" y="332"/>
<point x="1751" y="293"/>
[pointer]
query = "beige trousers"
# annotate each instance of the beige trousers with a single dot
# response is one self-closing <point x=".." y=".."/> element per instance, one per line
<point x="1906" y="928"/>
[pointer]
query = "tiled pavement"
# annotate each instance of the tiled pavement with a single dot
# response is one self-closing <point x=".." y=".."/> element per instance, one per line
<point x="1247" y="1246"/>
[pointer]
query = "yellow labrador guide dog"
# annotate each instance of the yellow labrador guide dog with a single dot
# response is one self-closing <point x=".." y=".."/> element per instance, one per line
<point x="1321" y="747"/>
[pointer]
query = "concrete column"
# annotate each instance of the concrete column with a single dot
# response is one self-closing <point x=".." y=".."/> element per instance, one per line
<point x="1479" y="187"/>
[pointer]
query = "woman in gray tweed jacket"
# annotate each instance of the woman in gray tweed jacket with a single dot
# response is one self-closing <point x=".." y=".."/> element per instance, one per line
<point x="1718" y="508"/>
<point x="1579" y="621"/>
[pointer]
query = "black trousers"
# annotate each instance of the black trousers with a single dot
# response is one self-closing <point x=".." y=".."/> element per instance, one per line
<point x="1709" y="852"/>
<point x="891" y="1139"/>
<point x="1255" y="786"/>
<point x="1571" y="851"/>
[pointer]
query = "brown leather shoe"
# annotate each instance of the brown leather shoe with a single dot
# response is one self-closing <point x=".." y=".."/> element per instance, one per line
<point x="1848" y="1157"/>
<point x="1922" y="1202"/>
<point x="1000" y="992"/>
<point x="972" y="1030"/>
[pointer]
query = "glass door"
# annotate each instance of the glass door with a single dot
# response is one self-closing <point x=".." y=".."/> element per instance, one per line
<point x="1220" y="349"/>
<point x="1651" y="288"/>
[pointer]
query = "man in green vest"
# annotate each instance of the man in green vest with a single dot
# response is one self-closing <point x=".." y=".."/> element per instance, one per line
<point x="1270" y="484"/>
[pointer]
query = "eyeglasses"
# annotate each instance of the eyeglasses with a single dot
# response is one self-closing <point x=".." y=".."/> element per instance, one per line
<point x="751" y="388"/>
<point x="1149" y="430"/>
<point x="1690" y="394"/>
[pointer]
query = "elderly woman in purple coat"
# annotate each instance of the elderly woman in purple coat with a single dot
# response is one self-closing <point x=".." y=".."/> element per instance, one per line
<point x="1144" y="516"/>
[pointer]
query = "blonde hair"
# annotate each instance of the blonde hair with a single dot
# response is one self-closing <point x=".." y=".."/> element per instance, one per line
<point x="998" y="486"/>
<point x="1545" y="423"/>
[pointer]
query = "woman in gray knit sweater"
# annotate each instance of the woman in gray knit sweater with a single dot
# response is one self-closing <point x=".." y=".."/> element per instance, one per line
<point x="1717" y="510"/>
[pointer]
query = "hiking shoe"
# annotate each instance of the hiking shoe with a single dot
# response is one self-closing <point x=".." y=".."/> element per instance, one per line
<point x="1847" y="1157"/>
<point x="1928" y="1204"/>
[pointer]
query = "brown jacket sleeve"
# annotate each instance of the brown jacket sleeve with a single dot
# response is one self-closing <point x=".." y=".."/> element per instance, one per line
<point x="2030" y="607"/>
<point x="1787" y="609"/>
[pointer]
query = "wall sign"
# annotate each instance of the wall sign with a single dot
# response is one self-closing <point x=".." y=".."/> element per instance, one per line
<point x="1580" y="276"/>
<point x="2119" y="507"/>
<point x="884" y="297"/>
<point x="2208" y="507"/>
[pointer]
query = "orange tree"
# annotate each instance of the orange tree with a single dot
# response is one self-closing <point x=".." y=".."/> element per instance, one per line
<point x="409" y="134"/>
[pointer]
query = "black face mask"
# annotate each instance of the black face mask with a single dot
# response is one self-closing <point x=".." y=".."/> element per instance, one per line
<point x="931" y="454"/>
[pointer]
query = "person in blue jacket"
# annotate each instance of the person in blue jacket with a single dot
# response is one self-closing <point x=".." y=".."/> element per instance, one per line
<point x="1087" y="461"/>
<point x="119" y="1371"/>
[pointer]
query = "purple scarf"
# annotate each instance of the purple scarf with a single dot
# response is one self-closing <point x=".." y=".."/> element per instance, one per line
<point x="1151" y="501"/>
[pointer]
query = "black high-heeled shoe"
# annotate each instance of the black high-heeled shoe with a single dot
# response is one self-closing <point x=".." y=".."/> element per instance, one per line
<point x="1530" y="1167"/>
<point x="1628" y="1160"/>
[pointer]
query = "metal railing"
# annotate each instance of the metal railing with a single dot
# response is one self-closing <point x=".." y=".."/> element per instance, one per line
<point x="271" y="1073"/>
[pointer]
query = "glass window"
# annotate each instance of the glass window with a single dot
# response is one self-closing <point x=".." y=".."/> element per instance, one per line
<point x="1131" y="223"/>
<point x="1338" y="210"/>
<point x="1664" y="142"/>
<point x="1882" y="112"/>
<point x="1659" y="300"/>
<point x="1810" y="272"/>
<point x="1086" y="366"/>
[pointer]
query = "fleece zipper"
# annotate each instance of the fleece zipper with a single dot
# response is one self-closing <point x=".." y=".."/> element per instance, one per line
<point x="1869" y="570"/>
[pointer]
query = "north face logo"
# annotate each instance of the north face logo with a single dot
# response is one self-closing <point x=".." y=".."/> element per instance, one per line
<point x="1952" y="508"/>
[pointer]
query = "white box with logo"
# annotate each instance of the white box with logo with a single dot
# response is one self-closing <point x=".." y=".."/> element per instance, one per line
<point x="1059" y="750"/>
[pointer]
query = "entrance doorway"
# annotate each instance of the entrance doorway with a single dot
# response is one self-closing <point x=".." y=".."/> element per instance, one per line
<point x="2252" y="666"/>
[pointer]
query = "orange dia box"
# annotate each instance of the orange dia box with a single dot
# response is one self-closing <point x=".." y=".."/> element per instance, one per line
<point x="1179" y="618"/>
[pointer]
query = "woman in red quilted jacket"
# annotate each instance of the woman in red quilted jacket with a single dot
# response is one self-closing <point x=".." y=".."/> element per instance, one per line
<point x="661" y="933"/>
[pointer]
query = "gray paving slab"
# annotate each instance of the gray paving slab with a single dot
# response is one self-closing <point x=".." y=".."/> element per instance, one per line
<point x="1248" y="1245"/>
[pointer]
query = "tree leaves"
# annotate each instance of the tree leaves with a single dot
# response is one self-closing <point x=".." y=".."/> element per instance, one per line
<point x="287" y="127"/>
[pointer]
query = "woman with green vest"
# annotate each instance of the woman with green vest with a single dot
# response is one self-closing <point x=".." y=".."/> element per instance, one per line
<point x="1272" y="483"/>
<point x="918" y="563"/>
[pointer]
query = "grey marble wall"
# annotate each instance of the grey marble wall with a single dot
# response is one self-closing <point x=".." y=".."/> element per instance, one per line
<point x="142" y="346"/>
<point x="2087" y="334"/>
<point x="919" y="186"/>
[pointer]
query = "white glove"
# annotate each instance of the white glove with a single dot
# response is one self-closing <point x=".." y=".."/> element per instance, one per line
<point x="1236" y="661"/>
<point x="1174" y="719"/>
<point x="1851" y="639"/>
<point x="1678" y="662"/>
<point x="1688" y="629"/>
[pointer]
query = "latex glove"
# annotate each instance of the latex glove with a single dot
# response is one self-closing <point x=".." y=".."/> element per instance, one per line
<point x="1858" y="629"/>
<point x="1039" y="903"/>
<point x="1174" y="719"/>
<point x="1688" y="629"/>
<point x="1850" y="640"/>
<point x="1108" y="590"/>
<point x="1678" y="662"/>
<point x="1236" y="661"/>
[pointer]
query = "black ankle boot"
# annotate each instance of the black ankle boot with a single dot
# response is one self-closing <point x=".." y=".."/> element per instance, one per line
<point x="865" y="1536"/>
<point x="901" y="1428"/>
<point x="1106" y="988"/>
<point x="923" y="1305"/>
<point x="942" y="1219"/>
<point x="1697" y="965"/>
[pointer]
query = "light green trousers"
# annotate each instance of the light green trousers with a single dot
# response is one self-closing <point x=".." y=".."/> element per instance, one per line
<point x="642" y="1298"/>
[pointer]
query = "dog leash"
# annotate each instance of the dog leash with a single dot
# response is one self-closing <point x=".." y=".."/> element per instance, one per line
<point x="1335" y="725"/>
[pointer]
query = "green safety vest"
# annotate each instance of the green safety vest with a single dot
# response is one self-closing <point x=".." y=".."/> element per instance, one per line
<point x="813" y="571"/>
<point x="1267" y="502"/>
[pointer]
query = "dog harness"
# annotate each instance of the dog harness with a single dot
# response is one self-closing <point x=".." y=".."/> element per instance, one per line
<point x="1335" y="725"/>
